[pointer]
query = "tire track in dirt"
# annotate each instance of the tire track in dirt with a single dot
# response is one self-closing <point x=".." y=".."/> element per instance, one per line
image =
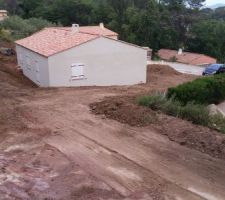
<point x="121" y="173"/>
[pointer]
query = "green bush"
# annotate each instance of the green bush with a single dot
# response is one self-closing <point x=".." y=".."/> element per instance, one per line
<point x="154" y="102"/>
<point x="195" y="113"/>
<point x="207" y="90"/>
<point x="5" y="35"/>
<point x="20" y="28"/>
<point x="198" y="114"/>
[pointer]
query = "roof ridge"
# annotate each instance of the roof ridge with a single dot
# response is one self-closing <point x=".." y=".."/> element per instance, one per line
<point x="83" y="31"/>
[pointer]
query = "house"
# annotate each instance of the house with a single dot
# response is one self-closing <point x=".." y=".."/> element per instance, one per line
<point x="185" y="57"/>
<point x="80" y="56"/>
<point x="3" y="14"/>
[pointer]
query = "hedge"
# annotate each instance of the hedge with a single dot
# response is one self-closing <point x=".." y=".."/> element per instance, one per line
<point x="207" y="90"/>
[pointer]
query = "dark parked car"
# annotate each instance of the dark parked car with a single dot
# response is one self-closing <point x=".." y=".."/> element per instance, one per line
<point x="214" y="69"/>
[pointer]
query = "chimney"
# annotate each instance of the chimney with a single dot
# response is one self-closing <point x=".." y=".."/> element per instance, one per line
<point x="102" y="25"/>
<point x="180" y="51"/>
<point x="75" y="28"/>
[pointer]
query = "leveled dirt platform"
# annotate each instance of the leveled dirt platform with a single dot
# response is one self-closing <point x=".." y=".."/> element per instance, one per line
<point x="53" y="147"/>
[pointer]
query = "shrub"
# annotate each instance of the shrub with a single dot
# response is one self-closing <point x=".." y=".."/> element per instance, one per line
<point x="5" y="35"/>
<point x="207" y="90"/>
<point x="171" y="108"/>
<point x="153" y="102"/>
<point x="196" y="113"/>
<point x="21" y="28"/>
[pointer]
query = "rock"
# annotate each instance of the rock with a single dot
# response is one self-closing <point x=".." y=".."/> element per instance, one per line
<point x="213" y="110"/>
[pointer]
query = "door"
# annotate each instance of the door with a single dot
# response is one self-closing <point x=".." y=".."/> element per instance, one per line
<point x="37" y="71"/>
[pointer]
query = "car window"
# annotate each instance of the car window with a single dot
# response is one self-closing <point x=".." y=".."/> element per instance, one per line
<point x="214" y="67"/>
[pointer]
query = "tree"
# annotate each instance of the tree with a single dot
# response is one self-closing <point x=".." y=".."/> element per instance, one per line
<point x="12" y="6"/>
<point x="182" y="14"/>
<point x="208" y="37"/>
<point x="143" y="26"/>
<point x="119" y="8"/>
<point x="29" y="7"/>
<point x="68" y="12"/>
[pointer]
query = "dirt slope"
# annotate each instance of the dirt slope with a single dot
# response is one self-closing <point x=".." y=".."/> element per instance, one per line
<point x="125" y="110"/>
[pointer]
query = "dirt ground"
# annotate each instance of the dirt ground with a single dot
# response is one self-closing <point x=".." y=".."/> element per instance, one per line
<point x="125" y="110"/>
<point x="53" y="147"/>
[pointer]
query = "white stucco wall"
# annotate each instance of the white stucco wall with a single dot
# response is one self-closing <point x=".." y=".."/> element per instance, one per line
<point x="31" y="72"/>
<point x="107" y="62"/>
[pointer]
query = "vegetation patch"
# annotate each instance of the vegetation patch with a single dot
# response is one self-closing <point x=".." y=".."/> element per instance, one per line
<point x="196" y="113"/>
<point x="14" y="27"/>
<point x="207" y="90"/>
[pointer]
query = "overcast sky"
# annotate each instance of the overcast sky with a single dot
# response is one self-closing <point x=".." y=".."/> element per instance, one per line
<point x="212" y="2"/>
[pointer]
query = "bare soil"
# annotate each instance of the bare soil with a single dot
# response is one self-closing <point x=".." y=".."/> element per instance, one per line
<point x="125" y="110"/>
<point x="53" y="147"/>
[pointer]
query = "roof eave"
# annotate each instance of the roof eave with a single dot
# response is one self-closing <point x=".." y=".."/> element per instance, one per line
<point x="134" y="45"/>
<point x="46" y="56"/>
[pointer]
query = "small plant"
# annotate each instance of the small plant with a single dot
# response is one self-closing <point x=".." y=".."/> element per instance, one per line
<point x="155" y="57"/>
<point x="195" y="113"/>
<point x="198" y="114"/>
<point x="171" y="107"/>
<point x="217" y="122"/>
<point x="154" y="102"/>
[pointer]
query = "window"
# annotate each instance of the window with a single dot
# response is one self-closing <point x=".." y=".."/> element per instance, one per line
<point x="77" y="71"/>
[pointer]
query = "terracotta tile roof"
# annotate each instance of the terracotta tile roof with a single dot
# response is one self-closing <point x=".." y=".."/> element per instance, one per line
<point x="186" y="57"/>
<point x="93" y="30"/>
<point x="50" y="41"/>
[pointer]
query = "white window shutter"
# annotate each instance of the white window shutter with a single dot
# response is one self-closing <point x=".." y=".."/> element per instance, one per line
<point x="77" y="70"/>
